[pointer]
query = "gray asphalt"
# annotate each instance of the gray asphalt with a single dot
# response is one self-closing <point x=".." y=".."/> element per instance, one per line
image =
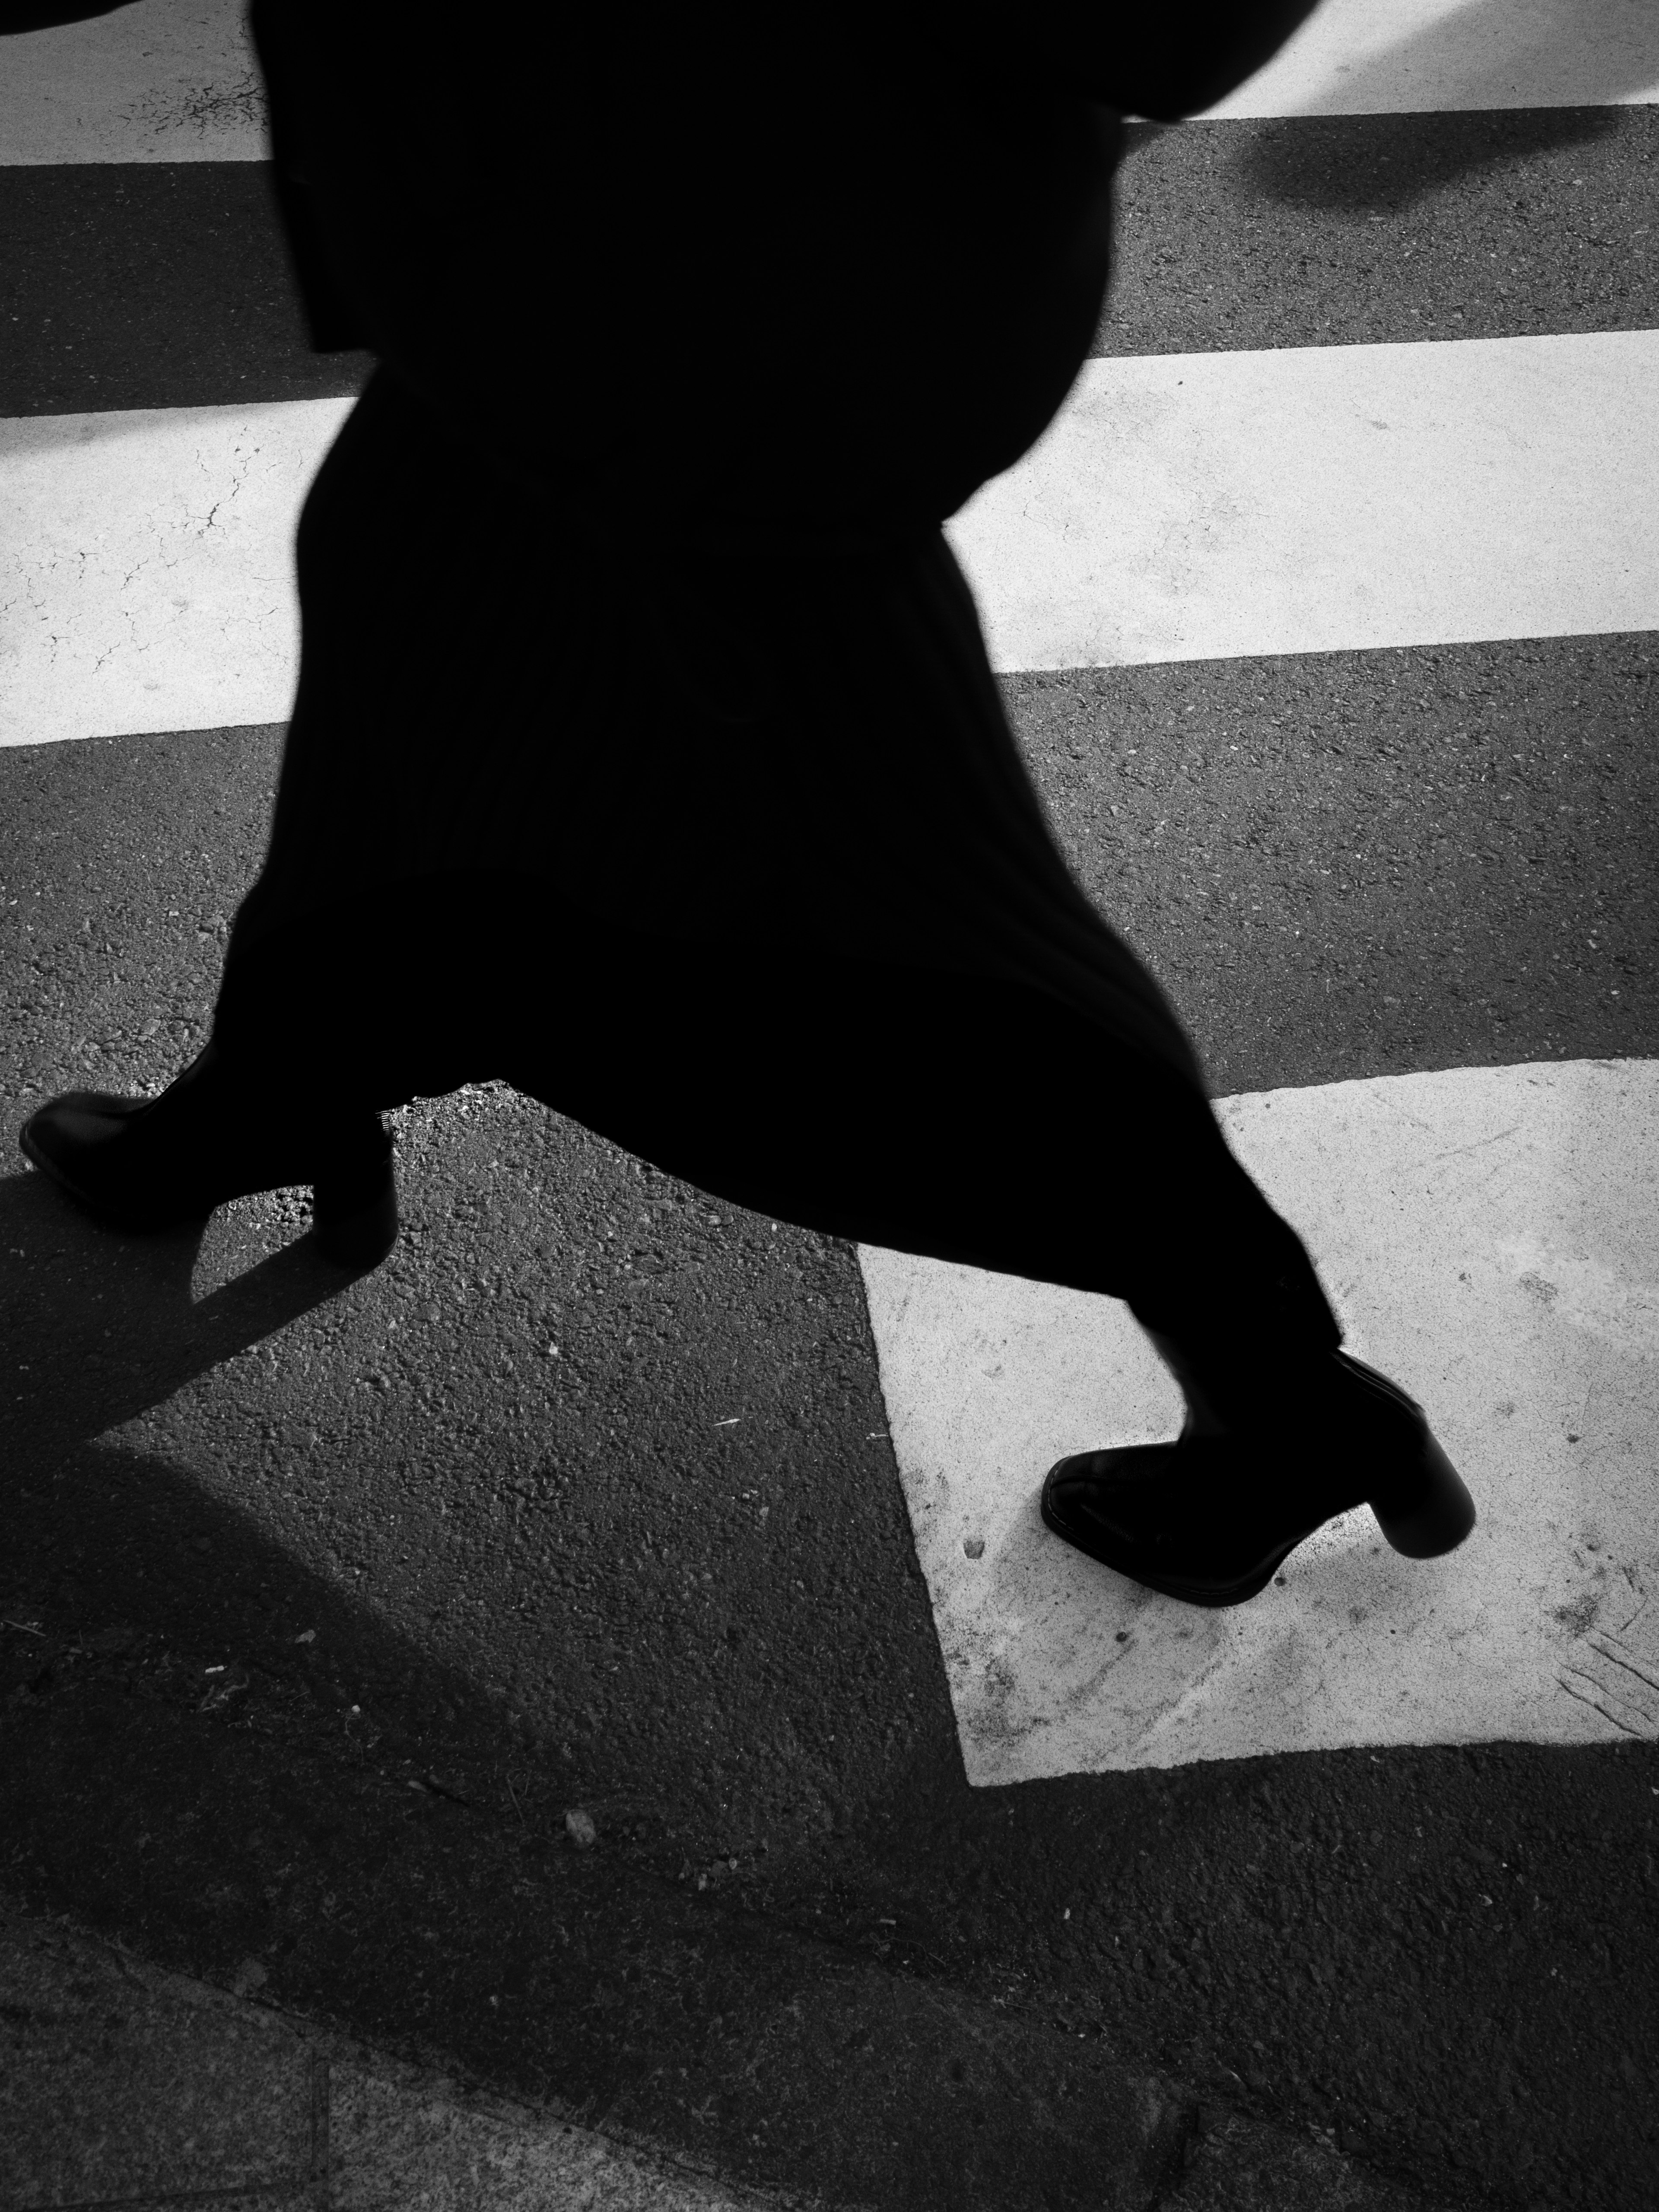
<point x="1357" y="863"/>
<point x="540" y="1583"/>
<point x="1379" y="229"/>
<point x="165" y="284"/>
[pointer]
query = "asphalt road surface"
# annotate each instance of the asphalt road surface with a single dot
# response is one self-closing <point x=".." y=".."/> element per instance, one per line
<point x="562" y="1653"/>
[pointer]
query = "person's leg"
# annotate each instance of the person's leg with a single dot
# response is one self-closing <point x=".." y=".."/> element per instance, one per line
<point x="987" y="1124"/>
<point x="947" y="1114"/>
<point x="327" y="1020"/>
<point x="394" y="523"/>
<point x="944" y="1114"/>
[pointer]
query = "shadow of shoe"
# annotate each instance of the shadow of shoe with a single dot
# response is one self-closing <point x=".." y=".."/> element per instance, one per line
<point x="109" y="1321"/>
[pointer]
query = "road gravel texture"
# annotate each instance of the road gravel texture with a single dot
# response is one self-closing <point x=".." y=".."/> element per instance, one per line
<point x="332" y="1598"/>
<point x="1356" y="864"/>
<point x="1384" y="229"/>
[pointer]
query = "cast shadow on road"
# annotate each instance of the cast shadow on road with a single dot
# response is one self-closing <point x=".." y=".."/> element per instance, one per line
<point x="1309" y="163"/>
<point x="119" y="1545"/>
<point x="241" y="1520"/>
<point x="1484" y="65"/>
<point x="110" y="1321"/>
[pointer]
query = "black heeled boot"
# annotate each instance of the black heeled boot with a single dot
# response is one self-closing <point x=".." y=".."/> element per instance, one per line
<point x="1277" y="1440"/>
<point x="148" y="1165"/>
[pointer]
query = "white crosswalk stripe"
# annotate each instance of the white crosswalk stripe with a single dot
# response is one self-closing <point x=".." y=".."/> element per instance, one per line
<point x="1315" y="498"/>
<point x="152" y="554"/>
<point x="1492" y="1233"/>
<point x="1371" y="57"/>
<point x="1184" y="506"/>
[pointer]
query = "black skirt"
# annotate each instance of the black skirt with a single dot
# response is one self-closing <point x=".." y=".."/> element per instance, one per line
<point x="709" y="738"/>
<point x="726" y="849"/>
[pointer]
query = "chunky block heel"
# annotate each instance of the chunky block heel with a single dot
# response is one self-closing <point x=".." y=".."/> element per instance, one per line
<point x="1425" y="1511"/>
<point x="1442" y="1516"/>
<point x="354" y="1211"/>
<point x="142" y="1166"/>
<point x="1211" y="1518"/>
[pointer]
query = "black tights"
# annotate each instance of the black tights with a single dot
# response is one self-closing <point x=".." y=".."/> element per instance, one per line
<point x="967" y="1119"/>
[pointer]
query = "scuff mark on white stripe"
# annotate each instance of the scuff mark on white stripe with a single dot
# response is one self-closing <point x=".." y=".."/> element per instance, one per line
<point x="176" y="80"/>
<point x="1318" y="499"/>
<point x="1488" y="1236"/>
<point x="164" y="81"/>
<point x="147" y="567"/>
<point x="1583" y="1292"/>
<point x="1374" y="57"/>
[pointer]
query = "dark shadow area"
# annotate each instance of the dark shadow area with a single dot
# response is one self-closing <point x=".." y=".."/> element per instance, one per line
<point x="115" y="1551"/>
<point x="1395" y="1953"/>
<point x="615" y="1451"/>
<point x="642" y="1601"/>
<point x="108" y="1320"/>
<point x="1361" y="164"/>
<point x="250" y="1820"/>
<point x="238" y="1765"/>
<point x="119" y="1555"/>
<point x="133" y="284"/>
<point x="1379" y="229"/>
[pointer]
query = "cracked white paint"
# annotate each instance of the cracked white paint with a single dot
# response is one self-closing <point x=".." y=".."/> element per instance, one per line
<point x="147" y="567"/>
<point x="1184" y="506"/>
<point x="164" y="81"/>
<point x="1490" y="1237"/>
<point x="1317" y="499"/>
<point x="1386" y="56"/>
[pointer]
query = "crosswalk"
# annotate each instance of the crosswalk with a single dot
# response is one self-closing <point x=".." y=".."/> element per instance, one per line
<point x="1344" y="440"/>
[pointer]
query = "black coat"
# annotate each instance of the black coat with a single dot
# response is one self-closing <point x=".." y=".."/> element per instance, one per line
<point x="806" y="259"/>
<point x="626" y="576"/>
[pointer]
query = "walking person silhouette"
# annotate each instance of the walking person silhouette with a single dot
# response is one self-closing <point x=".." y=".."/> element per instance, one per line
<point x="646" y="753"/>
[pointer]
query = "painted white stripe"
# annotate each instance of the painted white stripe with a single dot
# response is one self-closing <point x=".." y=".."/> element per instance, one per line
<point x="1184" y="506"/>
<point x="176" y="80"/>
<point x="1310" y="499"/>
<point x="1490" y="1237"/>
<point x="165" y="81"/>
<point x="146" y="567"/>
<point x="1369" y="57"/>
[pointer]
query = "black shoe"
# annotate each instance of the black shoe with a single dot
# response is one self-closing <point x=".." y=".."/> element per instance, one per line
<point x="354" y="1206"/>
<point x="149" y="1164"/>
<point x="1211" y="1519"/>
